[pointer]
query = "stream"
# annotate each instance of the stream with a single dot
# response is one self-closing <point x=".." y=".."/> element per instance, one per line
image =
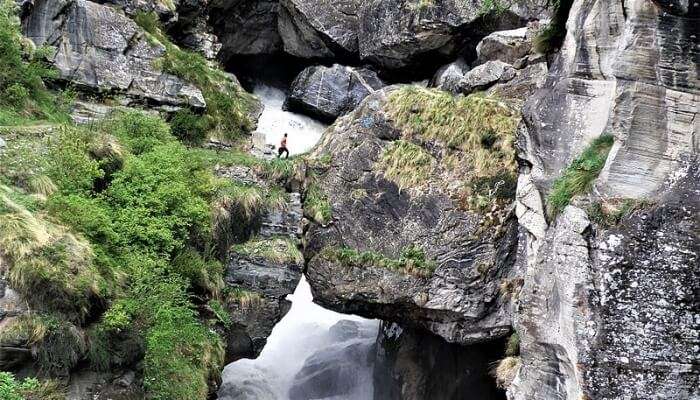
<point x="312" y="353"/>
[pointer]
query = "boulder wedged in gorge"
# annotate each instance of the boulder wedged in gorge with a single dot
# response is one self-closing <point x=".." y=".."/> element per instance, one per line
<point x="101" y="49"/>
<point x="460" y="301"/>
<point x="329" y="92"/>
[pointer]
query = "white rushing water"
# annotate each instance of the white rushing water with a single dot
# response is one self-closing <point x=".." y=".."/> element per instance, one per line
<point x="334" y="346"/>
<point x="304" y="132"/>
<point x="312" y="353"/>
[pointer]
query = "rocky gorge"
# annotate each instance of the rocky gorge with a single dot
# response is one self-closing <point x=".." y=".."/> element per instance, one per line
<point x="505" y="203"/>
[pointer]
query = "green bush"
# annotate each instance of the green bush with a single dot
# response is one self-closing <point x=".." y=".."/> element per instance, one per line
<point x="140" y="132"/>
<point x="579" y="176"/>
<point x="189" y="127"/>
<point x="71" y="167"/>
<point x="28" y="389"/>
<point x="22" y="72"/>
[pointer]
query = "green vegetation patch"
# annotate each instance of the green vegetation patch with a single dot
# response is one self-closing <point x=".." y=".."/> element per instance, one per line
<point x="243" y="298"/>
<point x="411" y="261"/>
<point x="478" y="132"/>
<point x="578" y="177"/>
<point x="406" y="164"/>
<point x="23" y="69"/>
<point x="610" y="212"/>
<point x="316" y="205"/>
<point x="29" y="389"/>
<point x="228" y="105"/>
<point x="280" y="250"/>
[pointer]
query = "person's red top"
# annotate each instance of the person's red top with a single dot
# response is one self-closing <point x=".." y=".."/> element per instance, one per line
<point x="284" y="142"/>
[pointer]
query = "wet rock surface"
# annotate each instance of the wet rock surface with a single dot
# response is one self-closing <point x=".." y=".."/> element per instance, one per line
<point x="415" y="365"/>
<point x="338" y="369"/>
<point x="245" y="27"/>
<point x="329" y="92"/>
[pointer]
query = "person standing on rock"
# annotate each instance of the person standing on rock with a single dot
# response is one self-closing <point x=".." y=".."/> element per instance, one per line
<point x="283" y="148"/>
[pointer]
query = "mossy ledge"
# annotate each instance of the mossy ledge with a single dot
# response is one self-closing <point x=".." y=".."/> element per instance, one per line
<point x="412" y="260"/>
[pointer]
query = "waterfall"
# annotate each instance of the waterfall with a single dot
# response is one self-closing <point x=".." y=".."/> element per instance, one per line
<point x="313" y="353"/>
<point x="304" y="132"/>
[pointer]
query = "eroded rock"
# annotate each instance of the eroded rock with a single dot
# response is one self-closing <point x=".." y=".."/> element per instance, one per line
<point x="449" y="76"/>
<point x="103" y="50"/>
<point x="486" y="75"/>
<point x="329" y="92"/>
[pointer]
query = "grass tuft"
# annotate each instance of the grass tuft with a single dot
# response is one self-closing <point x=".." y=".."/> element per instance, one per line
<point x="477" y="131"/>
<point x="316" y="205"/>
<point x="244" y="298"/>
<point x="578" y="177"/>
<point x="610" y="212"/>
<point x="29" y="389"/>
<point x="505" y="371"/>
<point x="406" y="164"/>
<point x="412" y="260"/>
<point x="551" y="38"/>
<point x="278" y="250"/>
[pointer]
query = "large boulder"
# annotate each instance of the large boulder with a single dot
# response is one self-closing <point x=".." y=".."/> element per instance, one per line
<point x="319" y="28"/>
<point x="486" y="75"/>
<point x="245" y="27"/>
<point x="396" y="34"/>
<point x="507" y="46"/>
<point x="460" y="301"/>
<point x="329" y="92"/>
<point x="449" y="76"/>
<point x="101" y="49"/>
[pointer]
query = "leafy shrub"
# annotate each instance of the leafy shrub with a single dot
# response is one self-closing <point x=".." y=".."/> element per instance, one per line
<point x="140" y="132"/>
<point x="28" y="389"/>
<point x="579" y="176"/>
<point x="70" y="166"/>
<point x="22" y="71"/>
<point x="188" y="127"/>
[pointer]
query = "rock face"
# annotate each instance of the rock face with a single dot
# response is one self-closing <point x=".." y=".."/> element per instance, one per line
<point x="645" y="93"/>
<point x="245" y="26"/>
<point x="459" y="302"/>
<point x="395" y="33"/>
<point x="342" y="369"/>
<point x="329" y="92"/>
<point x="627" y="297"/>
<point x="415" y="365"/>
<point x="271" y="283"/>
<point x="610" y="312"/>
<point x="319" y="28"/>
<point x="103" y="50"/>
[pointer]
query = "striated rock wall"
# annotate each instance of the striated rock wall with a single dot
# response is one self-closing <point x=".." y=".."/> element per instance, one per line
<point x="611" y="312"/>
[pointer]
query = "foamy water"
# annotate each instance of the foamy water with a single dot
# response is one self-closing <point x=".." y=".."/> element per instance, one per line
<point x="302" y="333"/>
<point x="303" y="132"/>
